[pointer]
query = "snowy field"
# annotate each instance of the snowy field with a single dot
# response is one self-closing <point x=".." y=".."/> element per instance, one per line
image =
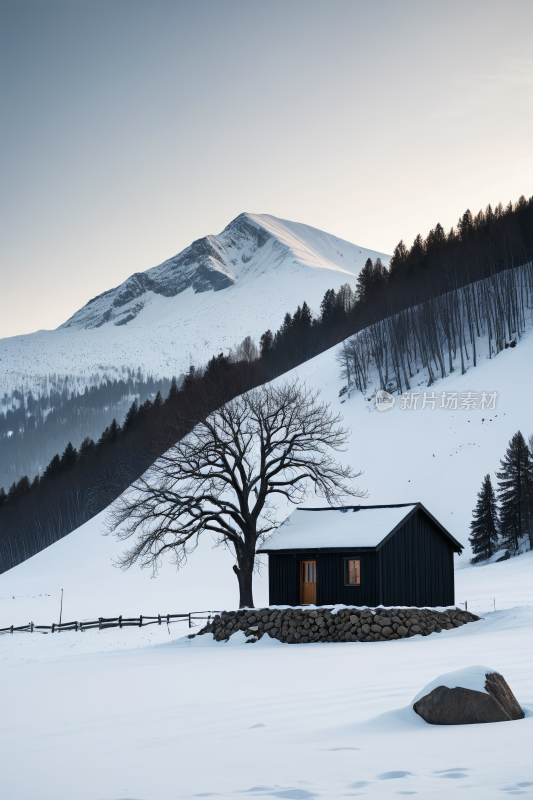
<point x="145" y="714"/>
<point x="150" y="716"/>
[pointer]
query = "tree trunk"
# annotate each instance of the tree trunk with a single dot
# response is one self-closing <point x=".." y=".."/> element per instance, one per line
<point x="244" y="570"/>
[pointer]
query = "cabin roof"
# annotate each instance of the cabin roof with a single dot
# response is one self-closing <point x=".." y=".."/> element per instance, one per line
<point x="344" y="528"/>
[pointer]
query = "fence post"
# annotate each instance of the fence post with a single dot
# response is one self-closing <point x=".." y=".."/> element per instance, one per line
<point x="12" y="629"/>
<point x="466" y="605"/>
<point x="190" y="623"/>
<point x="141" y="621"/>
<point x="31" y="627"/>
<point x="120" y="621"/>
<point x="53" y="624"/>
<point x="159" y="619"/>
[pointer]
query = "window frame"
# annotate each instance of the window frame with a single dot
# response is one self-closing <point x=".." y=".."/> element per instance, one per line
<point x="346" y="571"/>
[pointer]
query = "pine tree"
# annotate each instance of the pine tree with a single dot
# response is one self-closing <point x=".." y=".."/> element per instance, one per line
<point x="131" y="416"/>
<point x="399" y="259"/>
<point x="328" y="307"/>
<point x="265" y="344"/>
<point x="465" y="226"/>
<point x="115" y="429"/>
<point x="364" y="281"/>
<point x="144" y="409"/>
<point x="173" y="391"/>
<point x="86" y="447"/>
<point x="485" y="525"/>
<point x="18" y="490"/>
<point x="3" y="496"/>
<point x="188" y="380"/>
<point x="69" y="457"/>
<point x="53" y="470"/>
<point x="515" y="492"/>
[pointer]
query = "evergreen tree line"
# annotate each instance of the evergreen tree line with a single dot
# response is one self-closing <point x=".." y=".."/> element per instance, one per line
<point x="504" y="519"/>
<point x="443" y="265"/>
<point x="80" y="483"/>
<point x="33" y="425"/>
<point x="486" y="265"/>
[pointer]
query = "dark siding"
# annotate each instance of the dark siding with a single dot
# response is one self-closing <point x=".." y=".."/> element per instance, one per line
<point x="283" y="580"/>
<point x="417" y="565"/>
<point x="330" y="580"/>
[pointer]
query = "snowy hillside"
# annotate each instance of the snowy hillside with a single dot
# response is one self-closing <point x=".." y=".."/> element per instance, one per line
<point x="203" y="301"/>
<point x="438" y="457"/>
<point x="155" y="711"/>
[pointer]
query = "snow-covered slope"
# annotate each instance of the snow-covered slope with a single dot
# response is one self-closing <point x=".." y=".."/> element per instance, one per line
<point x="154" y="712"/>
<point x="438" y="457"/>
<point x="204" y="300"/>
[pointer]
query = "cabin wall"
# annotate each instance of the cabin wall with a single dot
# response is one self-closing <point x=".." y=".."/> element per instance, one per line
<point x="417" y="566"/>
<point x="284" y="579"/>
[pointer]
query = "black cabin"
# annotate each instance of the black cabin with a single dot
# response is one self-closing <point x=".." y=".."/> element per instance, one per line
<point x="396" y="555"/>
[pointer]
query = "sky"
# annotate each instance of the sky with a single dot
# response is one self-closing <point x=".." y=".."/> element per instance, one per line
<point x="129" y="129"/>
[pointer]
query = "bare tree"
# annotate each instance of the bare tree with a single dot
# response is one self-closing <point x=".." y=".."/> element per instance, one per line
<point x="247" y="350"/>
<point x="221" y="478"/>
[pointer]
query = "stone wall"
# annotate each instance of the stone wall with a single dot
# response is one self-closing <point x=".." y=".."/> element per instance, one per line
<point x="302" y="625"/>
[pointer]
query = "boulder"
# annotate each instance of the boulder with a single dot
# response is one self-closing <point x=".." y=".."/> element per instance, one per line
<point x="467" y="697"/>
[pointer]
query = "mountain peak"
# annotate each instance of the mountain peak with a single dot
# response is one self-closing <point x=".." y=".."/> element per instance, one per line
<point x="249" y="246"/>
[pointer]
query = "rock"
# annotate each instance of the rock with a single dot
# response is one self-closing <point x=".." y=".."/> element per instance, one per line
<point x="466" y="697"/>
<point x="386" y="631"/>
<point x="375" y="628"/>
<point x="415" y="629"/>
<point x="402" y="631"/>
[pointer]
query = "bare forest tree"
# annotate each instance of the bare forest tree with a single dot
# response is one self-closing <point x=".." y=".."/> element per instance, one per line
<point x="247" y="350"/>
<point x="224" y="476"/>
<point x="434" y="333"/>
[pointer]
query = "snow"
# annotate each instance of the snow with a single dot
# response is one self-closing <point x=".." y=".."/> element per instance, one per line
<point x="473" y="678"/>
<point x="146" y="714"/>
<point x="307" y="528"/>
<point x="191" y="718"/>
<point x="296" y="263"/>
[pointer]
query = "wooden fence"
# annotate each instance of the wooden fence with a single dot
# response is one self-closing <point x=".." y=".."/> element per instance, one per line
<point x="192" y="617"/>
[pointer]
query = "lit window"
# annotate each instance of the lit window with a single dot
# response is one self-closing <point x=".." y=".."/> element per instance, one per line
<point x="352" y="572"/>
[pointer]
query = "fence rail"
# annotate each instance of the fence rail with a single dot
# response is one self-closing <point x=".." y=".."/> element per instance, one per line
<point x="192" y="617"/>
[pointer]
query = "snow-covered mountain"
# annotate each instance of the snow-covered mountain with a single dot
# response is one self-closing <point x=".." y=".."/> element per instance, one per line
<point x="202" y="301"/>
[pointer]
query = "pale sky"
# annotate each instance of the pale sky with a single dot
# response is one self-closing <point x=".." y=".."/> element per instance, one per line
<point x="129" y="129"/>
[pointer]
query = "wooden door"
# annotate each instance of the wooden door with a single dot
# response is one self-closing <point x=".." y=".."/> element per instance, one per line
<point x="308" y="582"/>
